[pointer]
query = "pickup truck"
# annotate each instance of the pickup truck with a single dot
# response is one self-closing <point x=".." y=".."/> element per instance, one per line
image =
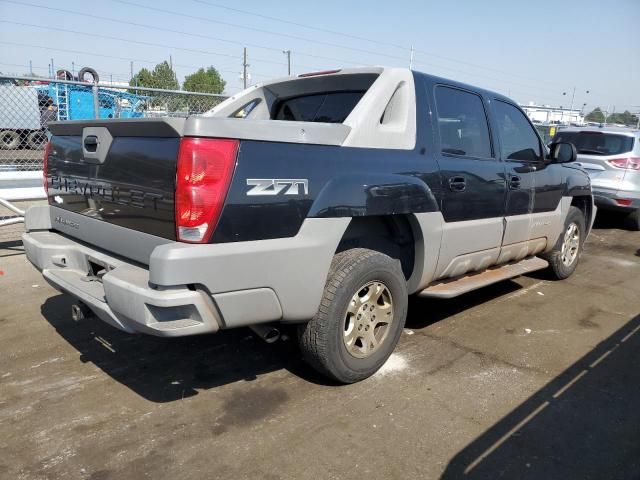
<point x="321" y="201"/>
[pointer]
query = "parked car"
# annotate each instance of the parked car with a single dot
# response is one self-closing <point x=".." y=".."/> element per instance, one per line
<point x="321" y="201"/>
<point x="611" y="156"/>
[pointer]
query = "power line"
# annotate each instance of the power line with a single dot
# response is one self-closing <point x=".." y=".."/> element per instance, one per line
<point x="255" y="29"/>
<point x="108" y="37"/>
<point x="206" y="19"/>
<point x="239" y="26"/>
<point x="378" y="42"/>
<point x="191" y="34"/>
<point x="154" y="27"/>
<point x="135" y="24"/>
<point x="128" y="59"/>
<point x="289" y="22"/>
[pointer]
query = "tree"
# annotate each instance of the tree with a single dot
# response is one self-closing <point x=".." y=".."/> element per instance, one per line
<point x="205" y="81"/>
<point x="144" y="78"/>
<point x="595" y="115"/>
<point x="625" y="118"/>
<point x="162" y="77"/>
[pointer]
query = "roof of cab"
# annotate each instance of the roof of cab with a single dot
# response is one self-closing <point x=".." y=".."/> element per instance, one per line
<point x="630" y="131"/>
<point x="380" y="69"/>
<point x="465" y="86"/>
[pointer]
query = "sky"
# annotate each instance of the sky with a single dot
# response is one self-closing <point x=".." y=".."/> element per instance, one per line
<point x="531" y="51"/>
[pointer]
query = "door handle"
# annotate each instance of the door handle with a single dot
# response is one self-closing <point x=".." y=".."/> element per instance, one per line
<point x="457" y="184"/>
<point x="91" y="143"/>
<point x="514" y="182"/>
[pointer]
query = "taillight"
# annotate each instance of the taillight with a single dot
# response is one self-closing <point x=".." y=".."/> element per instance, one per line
<point x="204" y="171"/>
<point x="45" y="167"/>
<point x="630" y="163"/>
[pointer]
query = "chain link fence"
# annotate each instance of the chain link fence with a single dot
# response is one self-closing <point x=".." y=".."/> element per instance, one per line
<point x="28" y="105"/>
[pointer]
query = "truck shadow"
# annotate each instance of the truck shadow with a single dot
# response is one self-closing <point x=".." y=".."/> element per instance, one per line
<point x="608" y="220"/>
<point x="167" y="369"/>
<point x="427" y="311"/>
<point x="583" y="424"/>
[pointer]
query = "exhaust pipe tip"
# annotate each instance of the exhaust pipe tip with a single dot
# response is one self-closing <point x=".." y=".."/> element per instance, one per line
<point x="79" y="312"/>
<point x="272" y="336"/>
<point x="267" y="333"/>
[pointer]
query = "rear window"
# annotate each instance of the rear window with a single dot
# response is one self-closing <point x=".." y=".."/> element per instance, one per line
<point x="596" y="143"/>
<point x="329" y="107"/>
<point x="462" y="123"/>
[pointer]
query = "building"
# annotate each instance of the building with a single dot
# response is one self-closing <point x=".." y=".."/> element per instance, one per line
<point x="552" y="115"/>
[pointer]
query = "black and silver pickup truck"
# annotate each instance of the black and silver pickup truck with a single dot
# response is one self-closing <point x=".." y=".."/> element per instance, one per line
<point x="322" y="201"/>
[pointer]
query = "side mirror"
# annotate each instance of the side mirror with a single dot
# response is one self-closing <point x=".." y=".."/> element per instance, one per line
<point x="562" y="152"/>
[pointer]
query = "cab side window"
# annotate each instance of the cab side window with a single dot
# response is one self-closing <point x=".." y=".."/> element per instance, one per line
<point x="519" y="140"/>
<point x="462" y="123"/>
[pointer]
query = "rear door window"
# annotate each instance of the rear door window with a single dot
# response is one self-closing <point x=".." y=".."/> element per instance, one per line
<point x="596" y="143"/>
<point x="518" y="138"/>
<point x="330" y="107"/>
<point x="462" y="123"/>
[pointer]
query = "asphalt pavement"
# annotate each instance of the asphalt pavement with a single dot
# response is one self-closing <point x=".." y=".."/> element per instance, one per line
<point x="529" y="378"/>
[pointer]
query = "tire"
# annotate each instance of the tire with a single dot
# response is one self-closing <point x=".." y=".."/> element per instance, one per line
<point x="36" y="140"/>
<point x="64" y="75"/>
<point x="339" y="343"/>
<point x="90" y="71"/>
<point x="632" y="220"/>
<point x="9" y="140"/>
<point x="565" y="256"/>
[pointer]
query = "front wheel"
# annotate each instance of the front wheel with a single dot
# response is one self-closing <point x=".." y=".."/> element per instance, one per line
<point x="632" y="220"/>
<point x="563" y="259"/>
<point x="361" y="316"/>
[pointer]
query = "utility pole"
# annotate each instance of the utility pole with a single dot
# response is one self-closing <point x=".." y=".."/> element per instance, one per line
<point x="53" y="70"/>
<point x="30" y="68"/>
<point x="244" y="67"/>
<point x="73" y="69"/>
<point x="175" y="75"/>
<point x="411" y="57"/>
<point x="288" y="54"/>
<point x="131" y="66"/>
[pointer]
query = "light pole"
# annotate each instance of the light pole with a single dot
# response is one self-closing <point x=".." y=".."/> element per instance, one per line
<point x="573" y="96"/>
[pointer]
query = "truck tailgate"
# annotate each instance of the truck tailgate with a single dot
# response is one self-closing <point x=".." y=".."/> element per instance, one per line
<point x="131" y="186"/>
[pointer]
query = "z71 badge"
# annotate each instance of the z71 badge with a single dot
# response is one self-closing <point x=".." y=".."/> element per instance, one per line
<point x="274" y="186"/>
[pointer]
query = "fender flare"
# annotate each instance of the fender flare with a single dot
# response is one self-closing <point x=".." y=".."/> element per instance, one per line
<point x="373" y="194"/>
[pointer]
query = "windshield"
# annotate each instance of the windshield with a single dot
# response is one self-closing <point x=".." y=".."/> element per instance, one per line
<point x="596" y="143"/>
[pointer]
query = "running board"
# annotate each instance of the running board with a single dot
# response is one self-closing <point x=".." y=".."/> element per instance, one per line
<point x="450" y="288"/>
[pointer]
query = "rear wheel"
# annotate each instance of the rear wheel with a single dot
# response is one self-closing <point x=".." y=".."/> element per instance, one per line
<point x="9" y="140"/>
<point x="360" y="318"/>
<point x="563" y="259"/>
<point x="632" y="220"/>
<point x="36" y="140"/>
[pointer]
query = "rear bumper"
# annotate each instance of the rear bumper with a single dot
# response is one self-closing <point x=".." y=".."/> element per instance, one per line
<point x="190" y="289"/>
<point x="607" y="199"/>
<point x="123" y="298"/>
